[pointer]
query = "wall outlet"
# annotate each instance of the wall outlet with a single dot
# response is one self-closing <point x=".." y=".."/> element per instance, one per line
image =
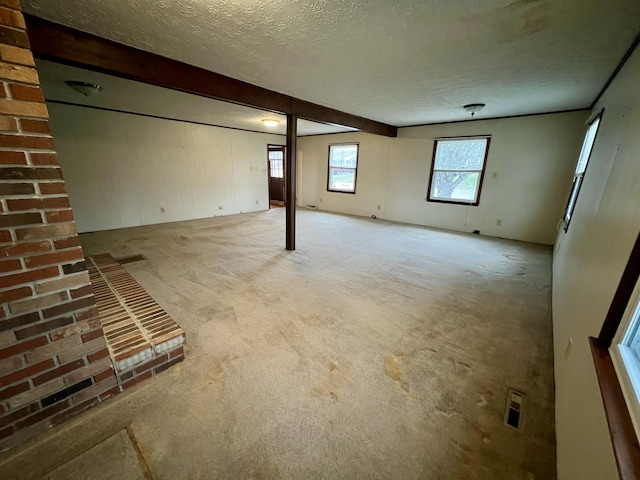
<point x="220" y="207"/>
<point x="161" y="209"/>
<point x="499" y="222"/>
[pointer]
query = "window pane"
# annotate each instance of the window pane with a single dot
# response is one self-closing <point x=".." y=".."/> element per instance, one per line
<point x="461" y="186"/>
<point x="626" y="356"/>
<point x="275" y="155"/>
<point x="343" y="156"/>
<point x="587" y="146"/>
<point x="277" y="170"/>
<point x="572" y="198"/>
<point x="460" y="154"/>
<point x="343" y="164"/>
<point x="343" y="180"/>
<point x="631" y="340"/>
<point x="581" y="167"/>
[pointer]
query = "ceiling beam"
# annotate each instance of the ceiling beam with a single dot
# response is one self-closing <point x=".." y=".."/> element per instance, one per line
<point x="51" y="41"/>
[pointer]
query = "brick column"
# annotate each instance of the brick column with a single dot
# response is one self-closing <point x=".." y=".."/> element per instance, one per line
<point x="53" y="357"/>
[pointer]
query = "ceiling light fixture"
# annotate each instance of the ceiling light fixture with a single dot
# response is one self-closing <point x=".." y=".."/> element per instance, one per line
<point x="473" y="108"/>
<point x="84" y="88"/>
<point x="270" y="122"/>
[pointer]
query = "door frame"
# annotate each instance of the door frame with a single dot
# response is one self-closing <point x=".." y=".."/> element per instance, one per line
<point x="276" y="148"/>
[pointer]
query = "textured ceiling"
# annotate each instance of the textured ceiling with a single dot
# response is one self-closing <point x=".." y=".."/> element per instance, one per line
<point x="402" y="62"/>
<point x="135" y="97"/>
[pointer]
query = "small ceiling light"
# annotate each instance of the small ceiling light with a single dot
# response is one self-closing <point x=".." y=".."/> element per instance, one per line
<point x="84" y="88"/>
<point x="270" y="122"/>
<point x="473" y="108"/>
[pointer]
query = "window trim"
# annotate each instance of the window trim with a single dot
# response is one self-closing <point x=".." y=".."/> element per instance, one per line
<point x="482" y="172"/>
<point x="578" y="178"/>
<point x="621" y="356"/>
<point x="355" y="170"/>
<point x="623" y="434"/>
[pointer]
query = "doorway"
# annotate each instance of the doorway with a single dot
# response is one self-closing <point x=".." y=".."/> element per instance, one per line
<point x="275" y="157"/>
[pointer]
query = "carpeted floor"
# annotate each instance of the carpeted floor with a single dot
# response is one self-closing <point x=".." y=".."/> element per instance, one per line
<point x="375" y="350"/>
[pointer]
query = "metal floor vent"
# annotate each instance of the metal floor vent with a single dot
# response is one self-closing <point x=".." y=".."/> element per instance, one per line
<point x="130" y="259"/>
<point x="514" y="413"/>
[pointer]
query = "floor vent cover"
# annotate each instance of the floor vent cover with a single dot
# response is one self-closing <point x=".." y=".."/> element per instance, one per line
<point x="130" y="259"/>
<point x="514" y="413"/>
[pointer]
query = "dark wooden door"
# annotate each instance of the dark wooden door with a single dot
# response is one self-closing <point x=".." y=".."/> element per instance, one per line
<point x="276" y="172"/>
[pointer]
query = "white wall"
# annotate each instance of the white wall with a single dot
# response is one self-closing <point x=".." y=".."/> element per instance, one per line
<point x="372" y="169"/>
<point x="121" y="169"/>
<point x="533" y="159"/>
<point x="588" y="263"/>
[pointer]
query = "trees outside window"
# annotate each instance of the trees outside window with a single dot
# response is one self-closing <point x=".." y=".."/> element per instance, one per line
<point x="457" y="170"/>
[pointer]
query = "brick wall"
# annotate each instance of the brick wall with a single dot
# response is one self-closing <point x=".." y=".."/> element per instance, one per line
<point x="53" y="357"/>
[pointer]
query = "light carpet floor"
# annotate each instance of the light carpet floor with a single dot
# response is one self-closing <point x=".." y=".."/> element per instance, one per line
<point x="375" y="350"/>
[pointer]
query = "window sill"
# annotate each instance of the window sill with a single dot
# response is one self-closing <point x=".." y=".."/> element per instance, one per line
<point x="454" y="202"/>
<point x="623" y="436"/>
<point x="341" y="191"/>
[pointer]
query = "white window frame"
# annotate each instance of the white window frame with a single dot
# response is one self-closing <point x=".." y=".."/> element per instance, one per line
<point x="625" y="361"/>
<point x="355" y="169"/>
<point x="476" y="200"/>
<point x="593" y="125"/>
<point x="276" y="166"/>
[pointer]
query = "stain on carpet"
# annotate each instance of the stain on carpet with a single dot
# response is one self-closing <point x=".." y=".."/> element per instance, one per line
<point x="396" y="370"/>
<point x="393" y="367"/>
<point x="334" y="379"/>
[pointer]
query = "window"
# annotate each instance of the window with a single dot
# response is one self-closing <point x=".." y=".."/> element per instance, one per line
<point x="617" y="364"/>
<point x="583" y="160"/>
<point x="626" y="354"/>
<point x="276" y="163"/>
<point x="457" y="170"/>
<point x="343" y="168"/>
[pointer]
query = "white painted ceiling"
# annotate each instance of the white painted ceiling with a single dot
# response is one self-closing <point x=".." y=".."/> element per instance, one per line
<point x="135" y="97"/>
<point x="402" y="62"/>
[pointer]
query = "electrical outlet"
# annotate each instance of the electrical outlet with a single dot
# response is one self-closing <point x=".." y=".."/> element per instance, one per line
<point x="499" y="222"/>
<point x="161" y="209"/>
<point x="220" y="207"/>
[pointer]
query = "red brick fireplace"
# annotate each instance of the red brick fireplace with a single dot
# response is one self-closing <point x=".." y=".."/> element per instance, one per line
<point x="54" y="360"/>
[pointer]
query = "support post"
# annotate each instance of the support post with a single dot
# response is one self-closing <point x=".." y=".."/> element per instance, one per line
<point x="290" y="180"/>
